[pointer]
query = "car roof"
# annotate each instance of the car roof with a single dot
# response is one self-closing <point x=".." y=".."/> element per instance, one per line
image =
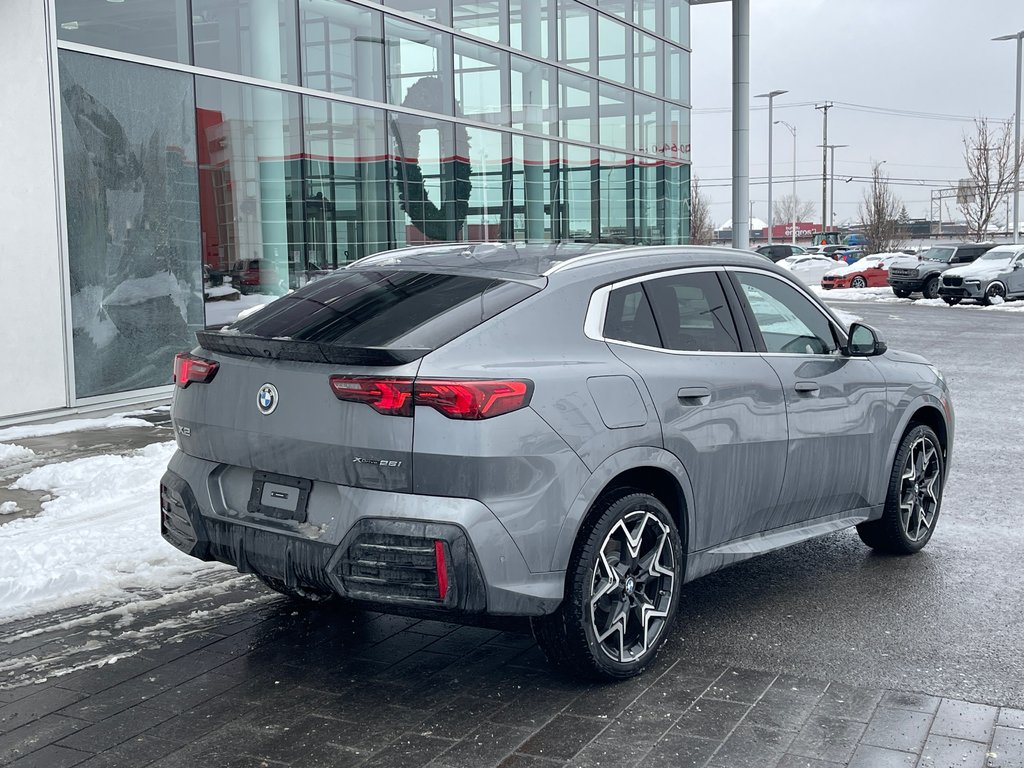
<point x="546" y="260"/>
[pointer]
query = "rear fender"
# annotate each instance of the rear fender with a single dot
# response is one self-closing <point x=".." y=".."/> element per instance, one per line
<point x="614" y="465"/>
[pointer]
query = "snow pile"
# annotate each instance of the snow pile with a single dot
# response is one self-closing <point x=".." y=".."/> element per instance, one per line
<point x="97" y="541"/>
<point x="886" y="296"/>
<point x="12" y="454"/>
<point x="116" y="421"/>
<point x="9" y="508"/>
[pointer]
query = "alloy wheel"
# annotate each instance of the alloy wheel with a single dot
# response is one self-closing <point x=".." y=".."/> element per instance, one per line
<point x="858" y="282"/>
<point x="919" y="489"/>
<point x="633" y="586"/>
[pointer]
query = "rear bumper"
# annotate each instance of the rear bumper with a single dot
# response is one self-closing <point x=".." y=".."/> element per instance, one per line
<point x="404" y="551"/>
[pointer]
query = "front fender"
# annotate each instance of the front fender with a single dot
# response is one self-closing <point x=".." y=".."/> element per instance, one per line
<point x="614" y="465"/>
<point x="907" y="407"/>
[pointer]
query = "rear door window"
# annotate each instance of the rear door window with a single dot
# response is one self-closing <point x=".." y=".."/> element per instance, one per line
<point x="371" y="308"/>
<point x="692" y="314"/>
<point x="629" y="317"/>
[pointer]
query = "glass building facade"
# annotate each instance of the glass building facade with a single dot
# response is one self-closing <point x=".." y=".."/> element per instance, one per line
<point x="269" y="140"/>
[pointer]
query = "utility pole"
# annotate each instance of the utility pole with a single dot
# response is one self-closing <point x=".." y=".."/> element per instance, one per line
<point x="832" y="176"/>
<point x="824" y="158"/>
<point x="1019" y="37"/>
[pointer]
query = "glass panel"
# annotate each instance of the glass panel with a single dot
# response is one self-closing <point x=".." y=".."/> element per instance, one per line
<point x="132" y="210"/>
<point x="531" y="27"/>
<point x="677" y="74"/>
<point x="419" y="67"/>
<point x="692" y="313"/>
<point x="677" y="133"/>
<point x="248" y="37"/>
<point x="346" y="184"/>
<point x="534" y="190"/>
<point x="481" y="82"/>
<point x="157" y="28"/>
<point x="611" y="48"/>
<point x="648" y="52"/>
<point x="647" y="14"/>
<point x="577" y="97"/>
<point x="676" y="206"/>
<point x="648" y="119"/>
<point x="621" y="8"/>
<point x="580" y="171"/>
<point x="534" y="98"/>
<point x="616" y="193"/>
<point x="576" y="31"/>
<point x="788" y="321"/>
<point x="431" y="180"/>
<point x="677" y="25"/>
<point x="630" y="318"/>
<point x="485" y="19"/>
<point x="439" y="11"/>
<point x="250" y="187"/>
<point x="649" y="228"/>
<point x="342" y="49"/>
<point x="486" y="200"/>
<point x="616" y="117"/>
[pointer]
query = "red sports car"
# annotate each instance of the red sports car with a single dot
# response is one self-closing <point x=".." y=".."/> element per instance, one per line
<point x="869" y="272"/>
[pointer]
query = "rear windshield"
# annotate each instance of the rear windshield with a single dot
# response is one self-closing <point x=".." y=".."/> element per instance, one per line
<point x="384" y="308"/>
<point x="938" y="254"/>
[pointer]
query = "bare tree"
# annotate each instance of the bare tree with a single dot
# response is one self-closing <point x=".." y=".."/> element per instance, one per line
<point x="702" y="229"/>
<point x="988" y="154"/>
<point x="879" y="213"/>
<point x="790" y="208"/>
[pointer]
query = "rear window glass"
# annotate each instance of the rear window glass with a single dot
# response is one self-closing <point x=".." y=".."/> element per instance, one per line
<point x="363" y="308"/>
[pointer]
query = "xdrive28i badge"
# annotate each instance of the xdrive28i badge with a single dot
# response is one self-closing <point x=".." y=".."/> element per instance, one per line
<point x="266" y="399"/>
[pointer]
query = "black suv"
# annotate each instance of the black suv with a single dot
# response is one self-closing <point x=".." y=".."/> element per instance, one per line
<point x="923" y="273"/>
<point x="779" y="252"/>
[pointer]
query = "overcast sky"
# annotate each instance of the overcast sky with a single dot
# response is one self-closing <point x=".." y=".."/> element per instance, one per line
<point x="931" y="56"/>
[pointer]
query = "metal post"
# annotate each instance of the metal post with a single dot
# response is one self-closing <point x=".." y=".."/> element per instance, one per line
<point x="771" y="121"/>
<point x="824" y="160"/>
<point x="832" y="183"/>
<point x="793" y="210"/>
<point x="740" y="123"/>
<point x="1016" y="137"/>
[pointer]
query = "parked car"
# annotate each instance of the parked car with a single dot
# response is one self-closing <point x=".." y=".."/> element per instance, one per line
<point x="868" y="272"/>
<point x="567" y="433"/>
<point x="996" y="274"/>
<point x="809" y="268"/>
<point x="922" y="274"/>
<point x="252" y="275"/>
<point x="780" y="251"/>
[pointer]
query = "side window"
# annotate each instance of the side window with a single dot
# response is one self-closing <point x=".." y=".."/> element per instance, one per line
<point x="692" y="314"/>
<point x="967" y="255"/>
<point x="629" y="317"/>
<point x="789" y="322"/>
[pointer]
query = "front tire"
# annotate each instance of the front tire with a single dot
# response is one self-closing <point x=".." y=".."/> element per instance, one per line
<point x="914" y="497"/>
<point x="995" y="290"/>
<point x="622" y="590"/>
<point x="931" y="288"/>
<point x="858" y="282"/>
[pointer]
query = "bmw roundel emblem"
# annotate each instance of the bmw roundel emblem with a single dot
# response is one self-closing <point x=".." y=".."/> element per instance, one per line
<point x="266" y="399"/>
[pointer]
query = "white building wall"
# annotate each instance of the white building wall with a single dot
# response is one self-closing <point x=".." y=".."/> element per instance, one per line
<point x="33" y="376"/>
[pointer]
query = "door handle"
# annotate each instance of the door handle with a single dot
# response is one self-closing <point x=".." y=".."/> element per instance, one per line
<point x="694" y="395"/>
<point x="806" y="387"/>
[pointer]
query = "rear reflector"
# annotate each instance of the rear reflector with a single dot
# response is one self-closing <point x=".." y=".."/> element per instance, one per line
<point x="189" y="370"/>
<point x="442" y="569"/>
<point x="457" y="399"/>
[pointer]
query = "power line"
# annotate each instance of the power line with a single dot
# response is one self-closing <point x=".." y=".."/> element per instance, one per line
<point x="866" y="108"/>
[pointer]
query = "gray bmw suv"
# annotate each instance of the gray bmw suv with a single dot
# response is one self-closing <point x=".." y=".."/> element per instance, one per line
<point x="563" y="432"/>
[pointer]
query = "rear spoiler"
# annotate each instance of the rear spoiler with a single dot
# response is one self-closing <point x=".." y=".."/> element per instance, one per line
<point x="305" y="351"/>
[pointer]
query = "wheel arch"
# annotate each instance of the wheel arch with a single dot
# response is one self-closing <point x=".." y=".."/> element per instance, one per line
<point x="928" y="411"/>
<point x="647" y="469"/>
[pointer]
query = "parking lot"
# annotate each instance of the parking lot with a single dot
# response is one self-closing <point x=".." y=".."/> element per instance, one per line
<point x="822" y="654"/>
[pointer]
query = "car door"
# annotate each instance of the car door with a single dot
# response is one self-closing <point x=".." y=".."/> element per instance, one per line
<point x="836" y="405"/>
<point x="1015" y="277"/>
<point x="721" y="405"/>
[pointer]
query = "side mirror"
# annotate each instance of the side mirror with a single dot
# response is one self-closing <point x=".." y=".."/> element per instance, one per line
<point x="863" y="341"/>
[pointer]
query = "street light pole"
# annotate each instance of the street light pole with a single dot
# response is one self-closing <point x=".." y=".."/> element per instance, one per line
<point x="792" y="211"/>
<point x="1016" y="138"/>
<point x="771" y="98"/>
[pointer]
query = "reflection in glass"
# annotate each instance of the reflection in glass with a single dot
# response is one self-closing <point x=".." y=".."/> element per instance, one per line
<point x="616" y="199"/>
<point x="346" y="211"/>
<point x="438" y="11"/>
<point x="481" y="84"/>
<point x="615" y="113"/>
<point x="576" y="102"/>
<point x="132" y="211"/>
<point x="535" y="190"/>
<point x="487" y="199"/>
<point x="648" y="119"/>
<point x="531" y="26"/>
<point x="580" y="183"/>
<point x="647" y="54"/>
<point x="621" y="8"/>
<point x="248" y="37"/>
<point x="485" y="19"/>
<point x="250" y="187"/>
<point x="157" y="28"/>
<point x="677" y="25"/>
<point x="648" y="227"/>
<point x="677" y="133"/>
<point x="677" y="74"/>
<point x="576" y="34"/>
<point x="611" y="50"/>
<point x="534" y="97"/>
<point x="676" y="211"/>
<point x="419" y="62"/>
<point x="342" y="49"/>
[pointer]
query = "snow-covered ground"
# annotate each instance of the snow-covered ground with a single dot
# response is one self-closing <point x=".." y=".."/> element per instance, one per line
<point x="115" y="421"/>
<point x="886" y="296"/>
<point x="223" y="312"/>
<point x="97" y="541"/>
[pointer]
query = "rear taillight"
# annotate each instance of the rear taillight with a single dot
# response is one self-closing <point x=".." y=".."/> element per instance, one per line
<point x="457" y="399"/>
<point x="193" y="370"/>
<point x="389" y="396"/>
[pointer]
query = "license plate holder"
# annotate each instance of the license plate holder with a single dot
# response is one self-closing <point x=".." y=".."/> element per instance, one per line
<point x="279" y="496"/>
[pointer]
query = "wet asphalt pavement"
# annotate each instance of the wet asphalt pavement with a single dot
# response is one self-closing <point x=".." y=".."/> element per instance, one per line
<point x="823" y="654"/>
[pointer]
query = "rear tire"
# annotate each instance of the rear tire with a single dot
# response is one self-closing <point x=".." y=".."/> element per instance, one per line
<point x="622" y="590"/>
<point x="931" y="288"/>
<point x="302" y="594"/>
<point x="914" y="496"/>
